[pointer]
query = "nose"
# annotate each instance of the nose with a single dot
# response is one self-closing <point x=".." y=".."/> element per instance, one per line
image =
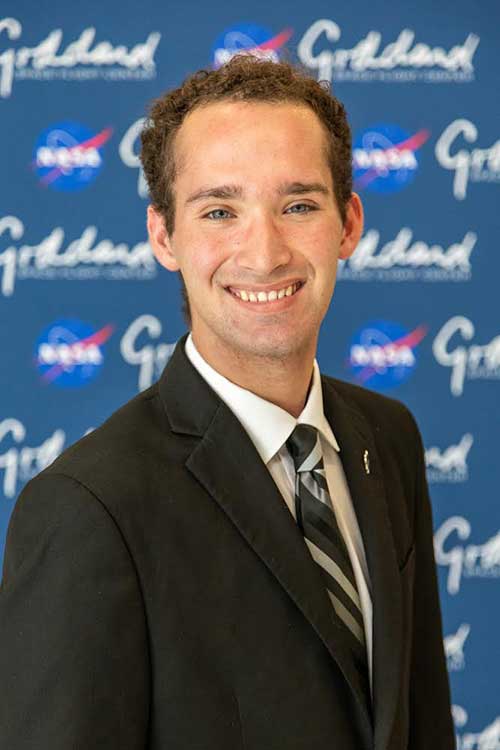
<point x="264" y="248"/>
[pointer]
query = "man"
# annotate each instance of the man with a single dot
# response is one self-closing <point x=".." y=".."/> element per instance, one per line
<point x="241" y="556"/>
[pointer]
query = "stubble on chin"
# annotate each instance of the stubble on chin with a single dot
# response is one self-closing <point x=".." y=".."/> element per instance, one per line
<point x="267" y="345"/>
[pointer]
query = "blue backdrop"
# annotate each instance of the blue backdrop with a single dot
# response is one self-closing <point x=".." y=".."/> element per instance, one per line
<point x="89" y="318"/>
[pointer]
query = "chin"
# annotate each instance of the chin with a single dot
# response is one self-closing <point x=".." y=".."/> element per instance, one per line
<point x="270" y="346"/>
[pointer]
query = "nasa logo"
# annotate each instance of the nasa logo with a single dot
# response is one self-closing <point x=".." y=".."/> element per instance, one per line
<point x="69" y="354"/>
<point x="384" y="158"/>
<point x="381" y="354"/>
<point x="68" y="156"/>
<point x="250" y="39"/>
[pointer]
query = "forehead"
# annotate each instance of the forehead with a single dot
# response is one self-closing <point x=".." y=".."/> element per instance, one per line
<point x="251" y="136"/>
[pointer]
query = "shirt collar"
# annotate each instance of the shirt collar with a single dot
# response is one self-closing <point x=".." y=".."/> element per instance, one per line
<point x="269" y="426"/>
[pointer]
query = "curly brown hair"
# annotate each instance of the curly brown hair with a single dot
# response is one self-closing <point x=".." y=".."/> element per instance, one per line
<point x="243" y="78"/>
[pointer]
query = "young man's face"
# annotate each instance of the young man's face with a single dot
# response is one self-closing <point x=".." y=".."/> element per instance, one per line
<point x="257" y="230"/>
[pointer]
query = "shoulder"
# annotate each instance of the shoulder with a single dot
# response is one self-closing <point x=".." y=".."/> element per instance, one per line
<point x="102" y="484"/>
<point x="379" y="410"/>
<point x="131" y="427"/>
<point x="386" y="427"/>
<point x="118" y="459"/>
<point x="386" y="421"/>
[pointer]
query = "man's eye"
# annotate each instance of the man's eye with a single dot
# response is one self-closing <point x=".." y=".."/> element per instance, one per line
<point x="300" y="208"/>
<point x="218" y="213"/>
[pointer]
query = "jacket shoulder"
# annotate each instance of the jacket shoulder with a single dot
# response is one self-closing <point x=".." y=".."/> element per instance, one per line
<point x="391" y="423"/>
<point x="374" y="406"/>
<point x="106" y="480"/>
<point x="113" y="460"/>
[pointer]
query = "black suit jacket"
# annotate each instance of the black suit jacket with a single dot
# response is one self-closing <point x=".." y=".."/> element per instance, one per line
<point x="157" y="592"/>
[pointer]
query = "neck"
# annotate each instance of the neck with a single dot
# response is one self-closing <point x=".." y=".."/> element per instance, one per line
<point x="284" y="382"/>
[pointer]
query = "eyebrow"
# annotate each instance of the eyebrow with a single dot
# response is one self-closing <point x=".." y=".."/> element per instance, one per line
<point x="226" y="192"/>
<point x="222" y="192"/>
<point x="300" y="188"/>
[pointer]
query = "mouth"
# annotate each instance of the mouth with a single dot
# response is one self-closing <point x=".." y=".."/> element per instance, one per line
<point x="261" y="296"/>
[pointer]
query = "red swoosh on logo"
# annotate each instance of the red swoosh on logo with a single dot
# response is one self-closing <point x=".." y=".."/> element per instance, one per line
<point x="97" y="338"/>
<point x="411" y="144"/>
<point x="276" y="41"/>
<point x="96" y="141"/>
<point x="412" y="339"/>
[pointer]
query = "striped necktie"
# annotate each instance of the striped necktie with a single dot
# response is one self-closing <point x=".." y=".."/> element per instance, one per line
<point x="317" y="521"/>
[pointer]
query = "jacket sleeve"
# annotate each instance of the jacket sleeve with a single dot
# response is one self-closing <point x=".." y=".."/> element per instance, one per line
<point x="74" y="664"/>
<point x="431" y="724"/>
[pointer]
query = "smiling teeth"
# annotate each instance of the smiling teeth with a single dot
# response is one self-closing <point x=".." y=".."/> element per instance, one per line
<point x="266" y="296"/>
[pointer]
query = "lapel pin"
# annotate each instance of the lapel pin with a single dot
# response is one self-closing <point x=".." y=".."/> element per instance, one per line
<point x="366" y="461"/>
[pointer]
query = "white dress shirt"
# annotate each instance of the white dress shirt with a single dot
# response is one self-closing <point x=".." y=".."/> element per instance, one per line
<point x="269" y="427"/>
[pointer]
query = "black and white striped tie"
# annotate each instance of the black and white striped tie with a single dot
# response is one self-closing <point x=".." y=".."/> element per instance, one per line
<point x="317" y="521"/>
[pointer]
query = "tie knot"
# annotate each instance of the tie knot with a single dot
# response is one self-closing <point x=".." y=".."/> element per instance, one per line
<point x="304" y="447"/>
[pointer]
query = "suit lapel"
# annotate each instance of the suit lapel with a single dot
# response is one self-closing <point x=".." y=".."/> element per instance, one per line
<point x="370" y="503"/>
<point x="227" y="465"/>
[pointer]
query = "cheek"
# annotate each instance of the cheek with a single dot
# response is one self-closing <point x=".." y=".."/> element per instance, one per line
<point x="321" y="253"/>
<point x="318" y="239"/>
<point x="200" y="256"/>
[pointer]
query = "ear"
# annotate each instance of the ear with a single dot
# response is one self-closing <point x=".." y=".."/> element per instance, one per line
<point x="353" y="227"/>
<point x="160" y="240"/>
